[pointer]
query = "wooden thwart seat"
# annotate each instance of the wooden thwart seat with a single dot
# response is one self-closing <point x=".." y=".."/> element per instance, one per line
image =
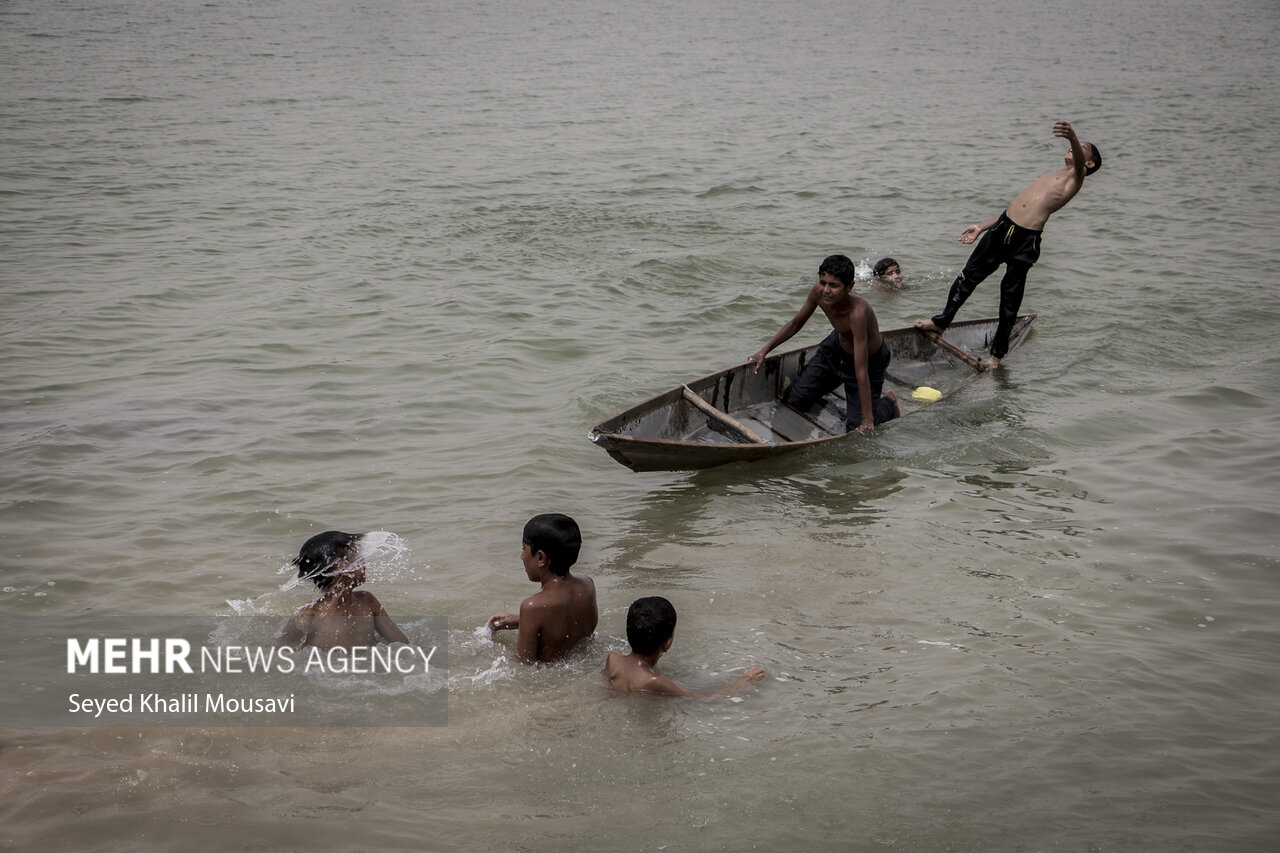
<point x="956" y="350"/>
<point x="725" y="419"/>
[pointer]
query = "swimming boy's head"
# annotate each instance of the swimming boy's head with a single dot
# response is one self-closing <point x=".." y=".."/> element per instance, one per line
<point x="840" y="267"/>
<point x="321" y="555"/>
<point x="650" y="623"/>
<point x="557" y="536"/>
<point x="888" y="269"/>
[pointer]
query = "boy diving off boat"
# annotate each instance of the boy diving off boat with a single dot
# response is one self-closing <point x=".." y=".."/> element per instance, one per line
<point x="1013" y="239"/>
<point x="853" y="354"/>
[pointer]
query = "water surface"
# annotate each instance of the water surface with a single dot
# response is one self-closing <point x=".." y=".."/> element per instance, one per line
<point x="271" y="269"/>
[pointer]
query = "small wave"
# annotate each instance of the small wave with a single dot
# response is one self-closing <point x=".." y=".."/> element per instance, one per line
<point x="727" y="189"/>
<point x="499" y="670"/>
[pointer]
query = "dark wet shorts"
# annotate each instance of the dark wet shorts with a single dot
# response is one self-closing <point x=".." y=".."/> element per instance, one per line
<point x="831" y="367"/>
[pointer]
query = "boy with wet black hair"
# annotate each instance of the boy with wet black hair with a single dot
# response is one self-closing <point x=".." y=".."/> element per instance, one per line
<point x="888" y="270"/>
<point x="552" y="621"/>
<point x="342" y="616"/>
<point x="651" y="625"/>
<point x="853" y="354"/>
<point x="1013" y="239"/>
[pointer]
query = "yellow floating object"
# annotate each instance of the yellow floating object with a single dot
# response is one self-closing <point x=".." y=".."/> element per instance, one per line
<point x="924" y="392"/>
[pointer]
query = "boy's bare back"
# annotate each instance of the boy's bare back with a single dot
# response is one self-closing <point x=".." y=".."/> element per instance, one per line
<point x="633" y="673"/>
<point x="333" y="621"/>
<point x="561" y="614"/>
<point x="556" y="618"/>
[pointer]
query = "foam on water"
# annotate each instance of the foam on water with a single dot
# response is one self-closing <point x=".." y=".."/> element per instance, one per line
<point x="387" y="557"/>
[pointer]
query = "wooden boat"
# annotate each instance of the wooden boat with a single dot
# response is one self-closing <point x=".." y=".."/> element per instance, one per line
<point x="736" y="415"/>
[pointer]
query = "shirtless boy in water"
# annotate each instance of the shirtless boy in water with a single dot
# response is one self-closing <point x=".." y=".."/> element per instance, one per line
<point x="552" y="621"/>
<point x="651" y="625"/>
<point x="342" y="617"/>
<point x="888" y="271"/>
<point x="854" y="353"/>
<point x="1013" y="239"/>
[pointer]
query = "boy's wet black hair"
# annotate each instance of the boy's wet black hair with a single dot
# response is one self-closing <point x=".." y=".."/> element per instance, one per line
<point x="883" y="264"/>
<point x="1096" y="158"/>
<point x="322" y="552"/>
<point x="557" y="536"/>
<point x="650" y="622"/>
<point x="840" y="267"/>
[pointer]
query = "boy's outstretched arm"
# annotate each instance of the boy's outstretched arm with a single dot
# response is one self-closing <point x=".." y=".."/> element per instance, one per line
<point x="1064" y="130"/>
<point x="662" y="684"/>
<point x="788" y="329"/>
<point x="755" y="673"/>
<point x="862" y="315"/>
<point x="972" y="232"/>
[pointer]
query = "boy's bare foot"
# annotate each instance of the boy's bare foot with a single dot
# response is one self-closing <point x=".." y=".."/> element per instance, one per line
<point x="927" y="326"/>
<point x="991" y="363"/>
<point x="897" y="411"/>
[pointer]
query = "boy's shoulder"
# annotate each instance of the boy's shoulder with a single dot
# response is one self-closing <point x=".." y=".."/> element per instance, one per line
<point x="365" y="598"/>
<point x="583" y="593"/>
<point x="305" y="616"/>
<point x="624" y="670"/>
<point x="628" y="675"/>
<point x="612" y="662"/>
<point x="571" y="586"/>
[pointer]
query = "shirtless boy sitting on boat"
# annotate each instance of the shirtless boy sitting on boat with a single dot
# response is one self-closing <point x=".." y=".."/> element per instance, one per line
<point x="854" y="353"/>
<point x="1013" y="239"/>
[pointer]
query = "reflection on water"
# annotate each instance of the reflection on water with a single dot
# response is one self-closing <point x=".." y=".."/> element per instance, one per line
<point x="712" y="505"/>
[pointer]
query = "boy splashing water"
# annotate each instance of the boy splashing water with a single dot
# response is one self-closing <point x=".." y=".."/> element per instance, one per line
<point x="342" y="616"/>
